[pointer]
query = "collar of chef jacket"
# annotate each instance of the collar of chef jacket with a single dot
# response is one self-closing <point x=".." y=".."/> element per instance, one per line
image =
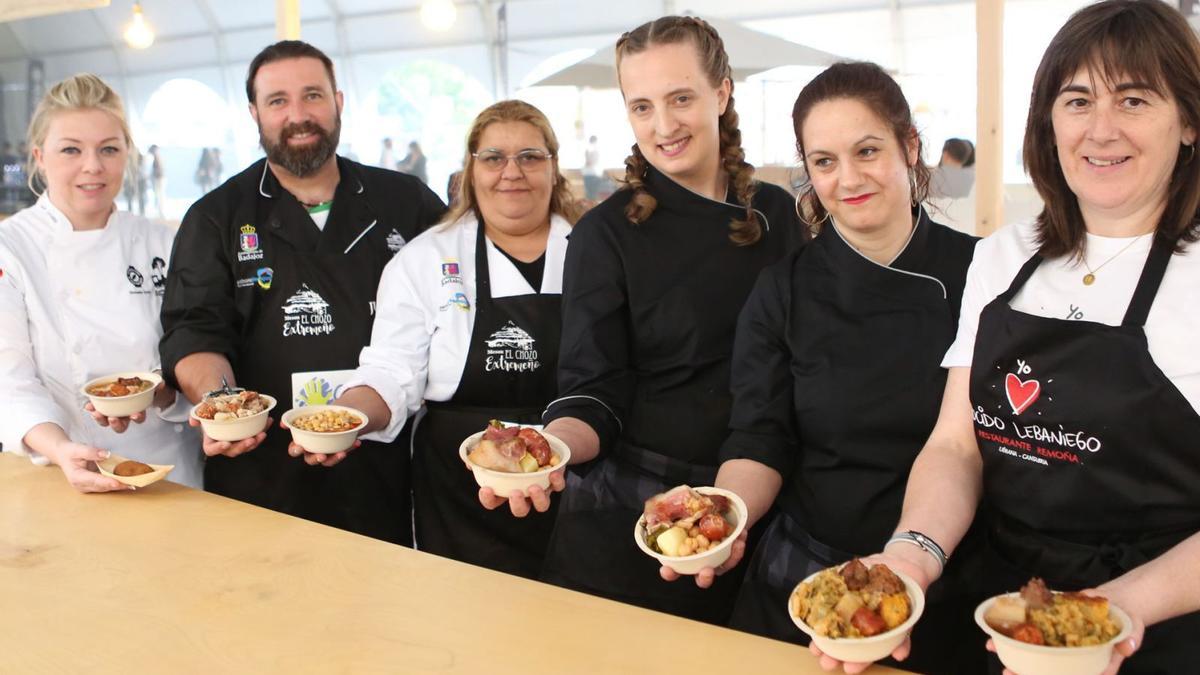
<point x="915" y="259"/>
<point x="56" y="220"/>
<point x="350" y="219"/>
<point x="675" y="197"/>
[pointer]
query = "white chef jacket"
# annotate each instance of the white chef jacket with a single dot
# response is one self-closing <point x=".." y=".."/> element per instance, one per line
<point x="75" y="306"/>
<point x="425" y="312"/>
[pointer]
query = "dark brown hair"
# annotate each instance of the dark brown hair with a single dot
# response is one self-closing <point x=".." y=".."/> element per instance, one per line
<point x="287" y="49"/>
<point x="873" y="87"/>
<point x="562" y="201"/>
<point x="714" y="62"/>
<point x="1142" y="40"/>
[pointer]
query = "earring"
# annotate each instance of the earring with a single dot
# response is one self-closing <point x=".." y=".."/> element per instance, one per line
<point x="912" y="186"/>
<point x="1191" y="154"/>
<point x="814" y="227"/>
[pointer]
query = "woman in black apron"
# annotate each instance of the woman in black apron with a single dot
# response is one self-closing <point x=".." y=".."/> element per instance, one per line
<point x="655" y="278"/>
<point x="837" y="372"/>
<point x="1080" y="440"/>
<point x="475" y="351"/>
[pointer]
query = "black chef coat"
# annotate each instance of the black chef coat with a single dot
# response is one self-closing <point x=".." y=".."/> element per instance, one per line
<point x="837" y="383"/>
<point x="649" y="313"/>
<point x="255" y="279"/>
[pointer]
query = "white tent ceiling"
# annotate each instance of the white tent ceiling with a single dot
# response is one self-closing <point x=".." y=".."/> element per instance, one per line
<point x="203" y="33"/>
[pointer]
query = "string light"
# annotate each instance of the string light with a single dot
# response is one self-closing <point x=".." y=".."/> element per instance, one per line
<point x="139" y="34"/>
<point x="438" y="15"/>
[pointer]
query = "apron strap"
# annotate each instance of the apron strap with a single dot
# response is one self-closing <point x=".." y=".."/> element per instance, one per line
<point x="1148" y="283"/>
<point x="1022" y="276"/>
<point x="483" y="276"/>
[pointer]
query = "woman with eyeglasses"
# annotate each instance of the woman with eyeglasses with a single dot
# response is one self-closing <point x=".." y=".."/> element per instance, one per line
<point x="449" y="307"/>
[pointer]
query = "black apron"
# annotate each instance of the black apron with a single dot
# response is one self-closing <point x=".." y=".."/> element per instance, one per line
<point x="314" y="313"/>
<point x="510" y="376"/>
<point x="603" y="507"/>
<point x="1088" y="464"/>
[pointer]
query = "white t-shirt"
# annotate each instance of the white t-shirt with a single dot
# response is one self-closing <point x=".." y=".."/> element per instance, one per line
<point x="1056" y="290"/>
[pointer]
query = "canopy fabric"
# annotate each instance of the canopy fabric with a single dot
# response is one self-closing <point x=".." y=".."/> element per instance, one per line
<point x="750" y="52"/>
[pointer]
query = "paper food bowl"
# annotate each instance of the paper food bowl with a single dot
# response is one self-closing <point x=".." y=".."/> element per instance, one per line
<point x="867" y="649"/>
<point x="1027" y="659"/>
<point x="713" y="557"/>
<point x="324" y="442"/>
<point x="238" y="429"/>
<point x="122" y="406"/>
<point x="502" y="482"/>
<point x="107" y="465"/>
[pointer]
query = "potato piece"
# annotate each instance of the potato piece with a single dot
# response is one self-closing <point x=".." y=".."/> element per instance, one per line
<point x="894" y="609"/>
<point x="848" y="605"/>
<point x="670" y="541"/>
<point x="529" y="463"/>
<point x="1005" y="612"/>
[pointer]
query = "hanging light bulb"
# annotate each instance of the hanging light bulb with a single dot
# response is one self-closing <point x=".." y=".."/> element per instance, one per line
<point x="438" y="15"/>
<point x="139" y="34"/>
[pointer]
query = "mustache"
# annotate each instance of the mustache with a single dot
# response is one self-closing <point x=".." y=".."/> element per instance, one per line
<point x="305" y="127"/>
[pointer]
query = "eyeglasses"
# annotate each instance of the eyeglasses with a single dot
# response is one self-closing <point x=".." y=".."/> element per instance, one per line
<point x="493" y="160"/>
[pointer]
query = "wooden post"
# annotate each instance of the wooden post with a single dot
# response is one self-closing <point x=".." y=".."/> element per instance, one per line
<point x="287" y="19"/>
<point x="989" y="151"/>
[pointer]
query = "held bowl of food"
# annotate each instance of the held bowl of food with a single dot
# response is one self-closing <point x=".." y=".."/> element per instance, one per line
<point x="855" y="613"/>
<point x="1040" y="632"/>
<point x="233" y="417"/>
<point x="689" y="529"/>
<point x="325" y="429"/>
<point x="122" y="394"/>
<point x="513" y="457"/>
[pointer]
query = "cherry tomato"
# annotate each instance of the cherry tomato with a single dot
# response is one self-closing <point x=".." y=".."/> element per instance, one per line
<point x="713" y="527"/>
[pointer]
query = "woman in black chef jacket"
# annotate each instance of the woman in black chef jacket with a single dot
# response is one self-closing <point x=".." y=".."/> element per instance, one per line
<point x="655" y="278"/>
<point x="836" y="366"/>
<point x="1071" y="405"/>
<point x="449" y="309"/>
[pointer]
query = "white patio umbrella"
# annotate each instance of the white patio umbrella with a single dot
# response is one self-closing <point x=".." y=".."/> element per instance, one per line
<point x="750" y="52"/>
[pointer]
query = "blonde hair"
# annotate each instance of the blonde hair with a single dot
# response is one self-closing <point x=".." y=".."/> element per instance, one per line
<point x="80" y="92"/>
<point x="714" y="62"/>
<point x="562" y="201"/>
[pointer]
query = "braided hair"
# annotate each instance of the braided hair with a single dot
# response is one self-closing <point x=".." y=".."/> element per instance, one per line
<point x="715" y="64"/>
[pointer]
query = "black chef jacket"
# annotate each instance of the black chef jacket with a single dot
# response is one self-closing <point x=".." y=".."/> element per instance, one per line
<point x="838" y="377"/>
<point x="649" y="313"/>
<point x="254" y="278"/>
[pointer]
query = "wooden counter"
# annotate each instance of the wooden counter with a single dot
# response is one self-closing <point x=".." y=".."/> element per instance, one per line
<point x="173" y="580"/>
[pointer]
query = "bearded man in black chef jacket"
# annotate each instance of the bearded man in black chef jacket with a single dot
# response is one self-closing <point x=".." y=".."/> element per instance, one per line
<point x="273" y="287"/>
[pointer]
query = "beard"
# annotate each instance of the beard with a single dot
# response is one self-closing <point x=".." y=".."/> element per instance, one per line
<point x="305" y="160"/>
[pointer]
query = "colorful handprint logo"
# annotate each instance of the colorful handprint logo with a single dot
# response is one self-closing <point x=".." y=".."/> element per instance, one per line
<point x="316" y="391"/>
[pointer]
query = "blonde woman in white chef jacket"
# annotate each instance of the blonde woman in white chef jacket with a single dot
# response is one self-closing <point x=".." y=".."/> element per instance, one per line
<point x="468" y="322"/>
<point x="80" y="290"/>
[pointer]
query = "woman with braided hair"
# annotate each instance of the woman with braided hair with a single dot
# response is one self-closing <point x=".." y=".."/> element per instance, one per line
<point x="655" y="277"/>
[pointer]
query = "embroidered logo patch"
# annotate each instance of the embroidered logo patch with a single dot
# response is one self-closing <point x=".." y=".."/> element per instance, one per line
<point x="458" y="300"/>
<point x="134" y="276"/>
<point x="307" y="313"/>
<point x="264" y="276"/>
<point x="158" y="274"/>
<point x="248" y="242"/>
<point x="450" y="273"/>
<point x="511" y="349"/>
